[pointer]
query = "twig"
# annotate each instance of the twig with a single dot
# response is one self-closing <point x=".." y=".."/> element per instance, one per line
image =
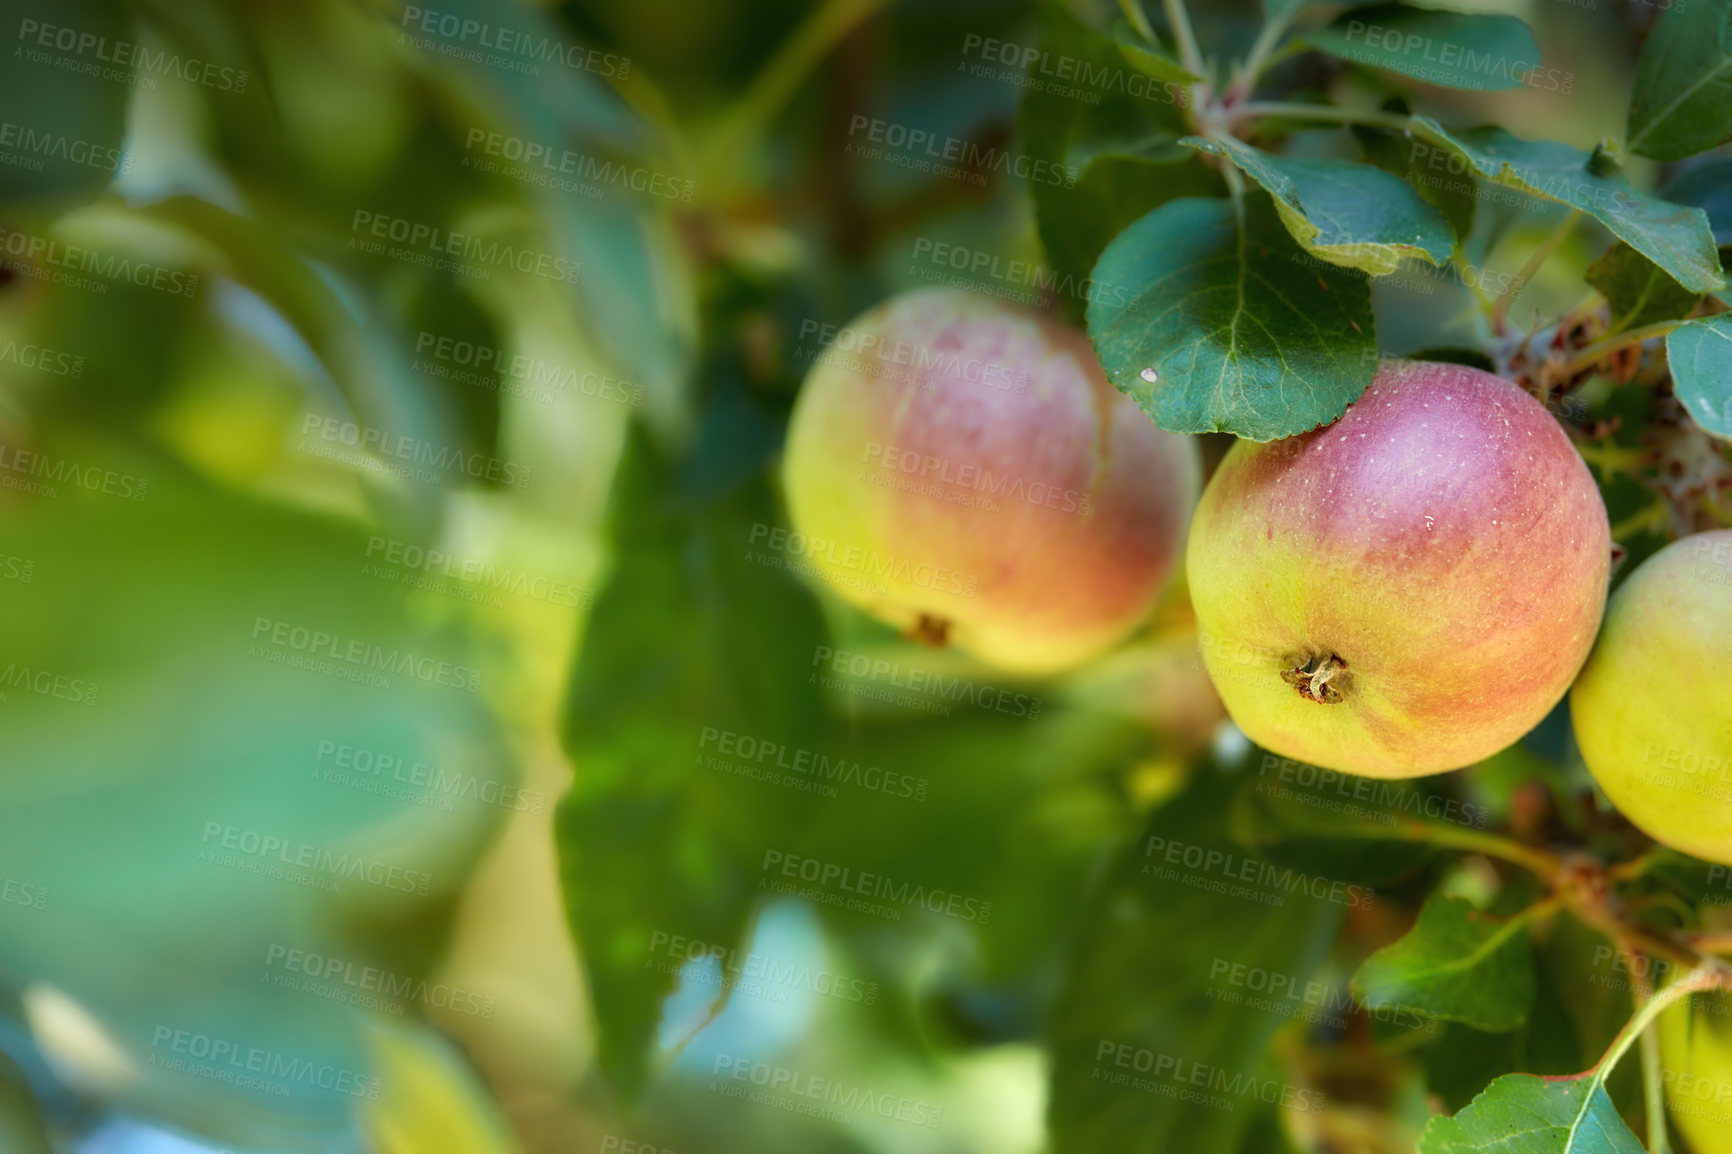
<point x="777" y="82"/>
<point x="1713" y="943"/>
<point x="1547" y="247"/>
<point x="1595" y="353"/>
<point x="1709" y="976"/>
<point x="1184" y="37"/>
<point x="1267" y="40"/>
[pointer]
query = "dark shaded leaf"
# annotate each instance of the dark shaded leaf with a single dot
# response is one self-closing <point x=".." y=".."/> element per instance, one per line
<point x="1145" y="1015"/>
<point x="688" y="635"/>
<point x="1682" y="103"/>
<point x="1638" y="291"/>
<point x="1457" y="963"/>
<point x="1481" y="53"/>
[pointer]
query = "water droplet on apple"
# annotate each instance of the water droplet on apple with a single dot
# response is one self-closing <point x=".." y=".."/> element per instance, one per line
<point x="1150" y="375"/>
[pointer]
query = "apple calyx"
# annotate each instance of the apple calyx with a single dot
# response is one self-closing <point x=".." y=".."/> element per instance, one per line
<point x="931" y="631"/>
<point x="1320" y="678"/>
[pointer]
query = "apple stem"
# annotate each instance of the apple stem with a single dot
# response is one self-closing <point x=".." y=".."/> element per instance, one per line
<point x="1713" y="943"/>
<point x="1500" y="310"/>
<point x="1183" y="37"/>
<point x="1653" y="1093"/>
<point x="1592" y="354"/>
<point x="1257" y="59"/>
<point x="1710" y="975"/>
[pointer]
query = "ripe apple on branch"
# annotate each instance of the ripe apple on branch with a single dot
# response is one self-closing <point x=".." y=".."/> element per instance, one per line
<point x="1400" y="566"/>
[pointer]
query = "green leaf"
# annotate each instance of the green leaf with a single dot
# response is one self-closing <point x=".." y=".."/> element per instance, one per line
<point x="1708" y="186"/>
<point x="1124" y="147"/>
<point x="689" y="634"/>
<point x="1675" y="237"/>
<point x="1111" y="116"/>
<point x="1522" y="1114"/>
<point x="1700" y="353"/>
<point x="64" y="131"/>
<point x="1464" y="1060"/>
<point x="1682" y="103"/>
<point x="1482" y="53"/>
<point x="224" y="704"/>
<point x="1399" y="154"/>
<point x="432" y="1100"/>
<point x="634" y="295"/>
<point x="1638" y="290"/>
<point x="1457" y="963"/>
<point x="1149" y="59"/>
<point x="1348" y="214"/>
<point x="1213" y="319"/>
<point x="1147" y="1004"/>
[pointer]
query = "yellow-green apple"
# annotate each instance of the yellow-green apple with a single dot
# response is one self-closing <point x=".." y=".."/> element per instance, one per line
<point x="1696" y="1070"/>
<point x="1407" y="590"/>
<point x="962" y="469"/>
<point x="1653" y="706"/>
<point x="1158" y="682"/>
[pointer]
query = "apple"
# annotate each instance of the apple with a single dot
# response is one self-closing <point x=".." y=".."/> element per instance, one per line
<point x="1407" y="590"/>
<point x="1158" y="682"/>
<point x="1696" y="1070"/>
<point x="1653" y="706"/>
<point x="962" y="469"/>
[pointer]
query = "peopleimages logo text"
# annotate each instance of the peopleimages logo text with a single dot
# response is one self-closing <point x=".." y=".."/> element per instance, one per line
<point x="315" y="859"/>
<point x="528" y="46"/>
<point x="222" y="1052"/>
<point x="127" y="54"/>
<point x="966" y="154"/>
<point x="1452" y="56"/>
<point x="55" y="146"/>
<point x="364" y="654"/>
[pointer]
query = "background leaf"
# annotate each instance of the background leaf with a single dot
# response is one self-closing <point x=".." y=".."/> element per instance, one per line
<point x="1682" y="103"/>
<point x="1638" y="291"/>
<point x="1674" y="237"/>
<point x="63" y="134"/>
<point x="1125" y="149"/>
<point x="1700" y="353"/>
<point x="689" y="634"/>
<point x="1457" y="963"/>
<point x="1708" y="186"/>
<point x="1141" y="1010"/>
<point x="1482" y="53"/>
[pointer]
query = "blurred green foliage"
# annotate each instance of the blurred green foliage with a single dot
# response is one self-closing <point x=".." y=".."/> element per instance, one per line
<point x="389" y="403"/>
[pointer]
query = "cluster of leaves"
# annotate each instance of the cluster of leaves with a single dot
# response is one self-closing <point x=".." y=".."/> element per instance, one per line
<point x="1252" y="314"/>
<point x="1229" y="280"/>
<point x="1233" y="278"/>
<point x="302" y="118"/>
<point x="1251" y="311"/>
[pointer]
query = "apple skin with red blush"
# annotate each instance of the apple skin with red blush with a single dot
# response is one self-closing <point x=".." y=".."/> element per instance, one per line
<point x="1409" y="589"/>
<point x="961" y="469"/>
